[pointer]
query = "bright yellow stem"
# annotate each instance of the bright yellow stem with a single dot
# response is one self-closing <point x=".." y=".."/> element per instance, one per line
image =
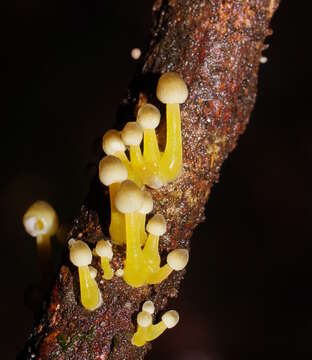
<point x="139" y="338"/>
<point x="89" y="292"/>
<point x="132" y="175"/>
<point x="136" y="157"/>
<point x="135" y="272"/>
<point x="107" y="270"/>
<point x="141" y="224"/>
<point x="160" y="275"/>
<point x="151" y="253"/>
<point x="151" y="152"/>
<point x="171" y="161"/>
<point x="117" y="227"/>
<point x="154" y="331"/>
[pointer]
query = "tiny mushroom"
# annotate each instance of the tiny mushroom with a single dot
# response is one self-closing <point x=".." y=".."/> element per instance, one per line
<point x="104" y="250"/>
<point x="169" y="320"/>
<point x="144" y="321"/>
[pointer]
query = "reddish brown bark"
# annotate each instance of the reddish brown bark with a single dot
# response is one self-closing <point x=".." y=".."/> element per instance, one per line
<point x="216" y="46"/>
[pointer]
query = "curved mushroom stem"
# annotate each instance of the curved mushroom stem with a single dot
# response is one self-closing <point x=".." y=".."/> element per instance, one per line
<point x="141" y="225"/>
<point x="108" y="272"/>
<point x="151" y="152"/>
<point x="132" y="175"/>
<point x="135" y="273"/>
<point x="117" y="228"/>
<point x="154" y="331"/>
<point x="171" y="161"/>
<point x="151" y="254"/>
<point x="89" y="291"/>
<point x="139" y="338"/>
<point x="136" y="158"/>
<point x="160" y="275"/>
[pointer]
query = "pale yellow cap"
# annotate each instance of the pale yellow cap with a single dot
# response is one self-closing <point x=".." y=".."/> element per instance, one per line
<point x="178" y="259"/>
<point x="148" y="307"/>
<point x="157" y="225"/>
<point x="80" y="254"/>
<point x="93" y="271"/>
<point x="129" y="197"/>
<point x="132" y="134"/>
<point x="148" y="117"/>
<point x="112" y="170"/>
<point x="171" y="89"/>
<point x="112" y="142"/>
<point x="103" y="248"/>
<point x="147" y="205"/>
<point x="144" y="319"/>
<point x="170" y="318"/>
<point x="40" y="219"/>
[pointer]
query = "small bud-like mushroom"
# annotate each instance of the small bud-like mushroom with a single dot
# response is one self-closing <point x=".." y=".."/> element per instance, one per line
<point x="104" y="250"/>
<point x="146" y="208"/>
<point x="41" y="222"/>
<point x="176" y="261"/>
<point x="129" y="199"/>
<point x="148" y="118"/>
<point x="93" y="271"/>
<point x="149" y="307"/>
<point x="144" y="321"/>
<point x="81" y="256"/>
<point x="156" y="227"/>
<point x="112" y="171"/>
<point x="168" y="321"/>
<point x="119" y="272"/>
<point x="172" y="91"/>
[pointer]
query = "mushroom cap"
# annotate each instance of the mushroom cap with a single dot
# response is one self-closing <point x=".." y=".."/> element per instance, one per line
<point x="147" y="205"/>
<point x="104" y="249"/>
<point x="40" y="219"/>
<point x="80" y="254"/>
<point x="148" y="117"/>
<point x="112" y="142"/>
<point x="171" y="89"/>
<point x="178" y="259"/>
<point x="157" y="225"/>
<point x="132" y="134"/>
<point x="119" y="272"/>
<point x="170" y="318"/>
<point x="112" y="170"/>
<point x="93" y="271"/>
<point x="148" y="307"/>
<point x="144" y="319"/>
<point x="129" y="197"/>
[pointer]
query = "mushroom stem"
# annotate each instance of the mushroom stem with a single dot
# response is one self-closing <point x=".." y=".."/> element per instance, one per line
<point x="132" y="175"/>
<point x="151" y="152"/>
<point x="117" y="225"/>
<point x="89" y="292"/>
<point x="136" y="158"/>
<point x="171" y="161"/>
<point x="151" y="253"/>
<point x="144" y="320"/>
<point x="160" y="275"/>
<point x="108" y="272"/>
<point x="154" y="331"/>
<point x="141" y="225"/>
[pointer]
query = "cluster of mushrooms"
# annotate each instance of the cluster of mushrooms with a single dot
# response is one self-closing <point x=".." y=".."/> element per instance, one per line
<point x="129" y="172"/>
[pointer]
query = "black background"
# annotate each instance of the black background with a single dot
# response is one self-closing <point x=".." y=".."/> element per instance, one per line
<point x="247" y="293"/>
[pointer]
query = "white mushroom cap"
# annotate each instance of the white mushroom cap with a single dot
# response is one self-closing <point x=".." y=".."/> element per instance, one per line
<point x="129" y="197"/>
<point x="148" y="307"/>
<point x="80" y="254"/>
<point x="112" y="170"/>
<point x="147" y="205"/>
<point x="40" y="219"/>
<point x="71" y="242"/>
<point x="148" y="117"/>
<point x="119" y="272"/>
<point x="112" y="142"/>
<point x="132" y="134"/>
<point x="157" y="225"/>
<point x="104" y="249"/>
<point x="171" y="89"/>
<point x="178" y="259"/>
<point x="93" y="271"/>
<point x="144" y="319"/>
<point x="170" y="318"/>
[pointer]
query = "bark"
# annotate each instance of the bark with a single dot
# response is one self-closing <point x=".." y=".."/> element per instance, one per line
<point x="216" y="46"/>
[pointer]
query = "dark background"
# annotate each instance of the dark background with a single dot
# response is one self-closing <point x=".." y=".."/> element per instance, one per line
<point x="247" y="293"/>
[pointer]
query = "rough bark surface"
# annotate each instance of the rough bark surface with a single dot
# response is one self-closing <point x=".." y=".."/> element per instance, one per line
<point x="216" y="46"/>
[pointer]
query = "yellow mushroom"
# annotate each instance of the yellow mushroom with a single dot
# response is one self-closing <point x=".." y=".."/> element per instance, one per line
<point x="128" y="200"/>
<point x="156" y="227"/>
<point x="104" y="250"/>
<point x="172" y="91"/>
<point x="132" y="136"/>
<point x="112" y="144"/>
<point x="146" y="208"/>
<point x="148" y="118"/>
<point x="144" y="321"/>
<point x="111" y="173"/>
<point x="176" y="260"/>
<point x="168" y="321"/>
<point x="41" y="222"/>
<point x="81" y="256"/>
<point x="148" y="307"/>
